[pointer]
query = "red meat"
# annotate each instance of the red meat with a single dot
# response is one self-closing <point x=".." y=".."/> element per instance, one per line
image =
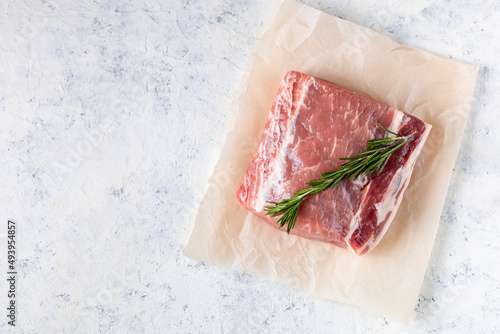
<point x="312" y="124"/>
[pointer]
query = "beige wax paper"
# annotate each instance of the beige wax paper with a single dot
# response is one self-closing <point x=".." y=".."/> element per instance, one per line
<point x="439" y="91"/>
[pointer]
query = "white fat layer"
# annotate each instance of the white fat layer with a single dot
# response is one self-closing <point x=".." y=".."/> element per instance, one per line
<point x="276" y="177"/>
<point x="389" y="205"/>
<point x="355" y="221"/>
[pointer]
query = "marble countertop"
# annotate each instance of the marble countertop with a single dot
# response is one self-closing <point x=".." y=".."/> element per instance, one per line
<point x="110" y="115"/>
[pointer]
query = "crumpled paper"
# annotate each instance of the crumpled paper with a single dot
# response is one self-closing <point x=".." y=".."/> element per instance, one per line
<point x="437" y="90"/>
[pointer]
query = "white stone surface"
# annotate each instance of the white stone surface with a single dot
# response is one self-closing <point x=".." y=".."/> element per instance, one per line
<point x="109" y="117"/>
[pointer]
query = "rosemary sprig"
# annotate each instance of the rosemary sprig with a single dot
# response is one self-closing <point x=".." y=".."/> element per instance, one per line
<point x="374" y="158"/>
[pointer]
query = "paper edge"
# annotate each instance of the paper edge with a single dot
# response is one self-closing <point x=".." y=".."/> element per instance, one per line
<point x="270" y="14"/>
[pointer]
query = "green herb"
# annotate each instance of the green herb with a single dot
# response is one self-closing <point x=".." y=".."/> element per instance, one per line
<point x="374" y="158"/>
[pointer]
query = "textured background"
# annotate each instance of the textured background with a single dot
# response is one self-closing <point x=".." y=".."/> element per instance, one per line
<point x="109" y="117"/>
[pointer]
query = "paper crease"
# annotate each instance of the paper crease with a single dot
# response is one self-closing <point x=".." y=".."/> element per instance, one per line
<point x="438" y="90"/>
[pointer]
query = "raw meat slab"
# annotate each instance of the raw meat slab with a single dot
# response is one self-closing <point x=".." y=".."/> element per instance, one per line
<point x="312" y="124"/>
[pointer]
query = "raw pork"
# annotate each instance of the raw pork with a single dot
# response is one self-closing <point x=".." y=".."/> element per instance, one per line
<point x="312" y="124"/>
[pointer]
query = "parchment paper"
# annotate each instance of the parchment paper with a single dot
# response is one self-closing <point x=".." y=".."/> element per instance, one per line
<point x="437" y="90"/>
